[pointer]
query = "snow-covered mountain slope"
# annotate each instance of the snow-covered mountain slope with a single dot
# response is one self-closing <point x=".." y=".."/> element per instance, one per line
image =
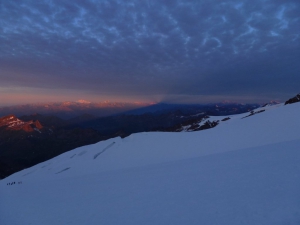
<point x="244" y="171"/>
<point x="212" y="121"/>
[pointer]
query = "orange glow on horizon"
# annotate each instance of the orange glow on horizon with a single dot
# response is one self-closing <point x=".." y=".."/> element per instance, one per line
<point x="7" y="99"/>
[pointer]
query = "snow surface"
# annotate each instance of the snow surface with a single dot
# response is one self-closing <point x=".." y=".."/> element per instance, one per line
<point x="244" y="171"/>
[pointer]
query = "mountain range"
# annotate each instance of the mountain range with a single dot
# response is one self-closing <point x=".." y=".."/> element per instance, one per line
<point x="28" y="140"/>
<point x="243" y="171"/>
<point x="67" y="110"/>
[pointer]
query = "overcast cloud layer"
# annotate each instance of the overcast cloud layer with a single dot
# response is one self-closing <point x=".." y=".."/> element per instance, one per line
<point x="162" y="50"/>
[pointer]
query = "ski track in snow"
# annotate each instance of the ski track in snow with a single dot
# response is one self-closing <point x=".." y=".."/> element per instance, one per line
<point x="81" y="153"/>
<point x="110" y="145"/>
<point x="63" y="170"/>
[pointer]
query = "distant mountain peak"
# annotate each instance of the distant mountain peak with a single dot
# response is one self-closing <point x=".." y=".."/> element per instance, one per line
<point x="11" y="122"/>
<point x="83" y="101"/>
<point x="270" y="103"/>
<point x="6" y="120"/>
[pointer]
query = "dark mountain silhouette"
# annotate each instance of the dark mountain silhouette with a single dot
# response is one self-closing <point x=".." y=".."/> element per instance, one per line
<point x="164" y="119"/>
<point x="26" y="142"/>
<point x="46" y="136"/>
<point x="293" y="100"/>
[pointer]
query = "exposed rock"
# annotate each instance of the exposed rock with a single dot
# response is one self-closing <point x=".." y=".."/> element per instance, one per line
<point x="293" y="100"/>
<point x="225" y="119"/>
<point x="208" y="124"/>
<point x="38" y="125"/>
<point x="11" y="122"/>
<point x="254" y="112"/>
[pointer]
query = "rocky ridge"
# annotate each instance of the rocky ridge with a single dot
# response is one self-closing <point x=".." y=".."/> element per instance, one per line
<point x="11" y="122"/>
<point x="293" y="100"/>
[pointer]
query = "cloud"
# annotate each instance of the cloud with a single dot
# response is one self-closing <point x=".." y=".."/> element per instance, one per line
<point x="151" y="47"/>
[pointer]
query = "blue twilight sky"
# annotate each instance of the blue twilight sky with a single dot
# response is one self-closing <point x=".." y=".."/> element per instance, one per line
<point x="149" y="50"/>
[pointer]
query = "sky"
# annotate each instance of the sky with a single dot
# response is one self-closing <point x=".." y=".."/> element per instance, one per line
<point x="157" y="50"/>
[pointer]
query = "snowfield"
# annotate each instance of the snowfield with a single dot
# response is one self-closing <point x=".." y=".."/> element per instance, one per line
<point x="245" y="171"/>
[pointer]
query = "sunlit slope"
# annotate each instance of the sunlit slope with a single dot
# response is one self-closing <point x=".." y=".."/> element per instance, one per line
<point x="244" y="171"/>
